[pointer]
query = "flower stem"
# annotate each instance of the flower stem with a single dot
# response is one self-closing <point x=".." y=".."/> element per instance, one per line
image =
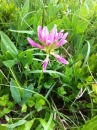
<point x="15" y="78"/>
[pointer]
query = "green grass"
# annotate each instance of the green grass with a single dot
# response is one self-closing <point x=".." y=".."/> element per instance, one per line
<point x="64" y="97"/>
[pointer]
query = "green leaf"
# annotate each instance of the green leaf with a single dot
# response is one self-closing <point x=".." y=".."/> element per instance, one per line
<point x="38" y="106"/>
<point x="61" y="91"/>
<point x="66" y="22"/>
<point x="25" y="8"/>
<point x="26" y="58"/>
<point x="57" y="22"/>
<point x="10" y="63"/>
<point x="29" y="124"/>
<point x="8" y="44"/>
<point x="23" y="14"/>
<point x="15" y="92"/>
<point x="26" y="126"/>
<point x="3" y="100"/>
<point x="31" y="102"/>
<point x="41" y="101"/>
<point x="78" y="40"/>
<point x="24" y="108"/>
<point x="48" y="125"/>
<point x="2" y="127"/>
<point x="84" y="11"/>
<point x="75" y="20"/>
<point x="49" y="91"/>
<point x="94" y="87"/>
<point x="52" y="10"/>
<point x="21" y="127"/>
<point x="90" y="124"/>
<point x="42" y="121"/>
<point x="81" y="27"/>
<point x="5" y="111"/>
<point x="46" y="71"/>
<point x="12" y="126"/>
<point x="87" y="55"/>
<point x="23" y="31"/>
<point x="37" y="19"/>
<point x="89" y="79"/>
<point x="27" y="93"/>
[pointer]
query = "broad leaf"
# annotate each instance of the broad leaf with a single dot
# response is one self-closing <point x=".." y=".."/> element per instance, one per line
<point x="8" y="44"/>
<point x="20" y="122"/>
<point x="15" y="92"/>
<point x="10" y="63"/>
<point x="27" y="93"/>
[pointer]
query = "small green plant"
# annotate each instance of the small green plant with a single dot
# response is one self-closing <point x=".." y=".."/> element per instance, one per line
<point x="8" y="14"/>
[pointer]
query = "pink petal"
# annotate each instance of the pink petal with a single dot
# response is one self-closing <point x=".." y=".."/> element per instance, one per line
<point x="34" y="44"/>
<point x="45" y="33"/>
<point x="60" y="34"/>
<point x="48" y="42"/>
<point x="54" y="33"/>
<point x="59" y="58"/>
<point x="40" y="33"/>
<point x="45" y="62"/>
<point x="54" y="30"/>
<point x="65" y="35"/>
<point x="62" y="41"/>
<point x="52" y="36"/>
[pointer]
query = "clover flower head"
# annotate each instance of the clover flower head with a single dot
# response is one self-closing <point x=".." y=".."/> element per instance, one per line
<point x="49" y="42"/>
